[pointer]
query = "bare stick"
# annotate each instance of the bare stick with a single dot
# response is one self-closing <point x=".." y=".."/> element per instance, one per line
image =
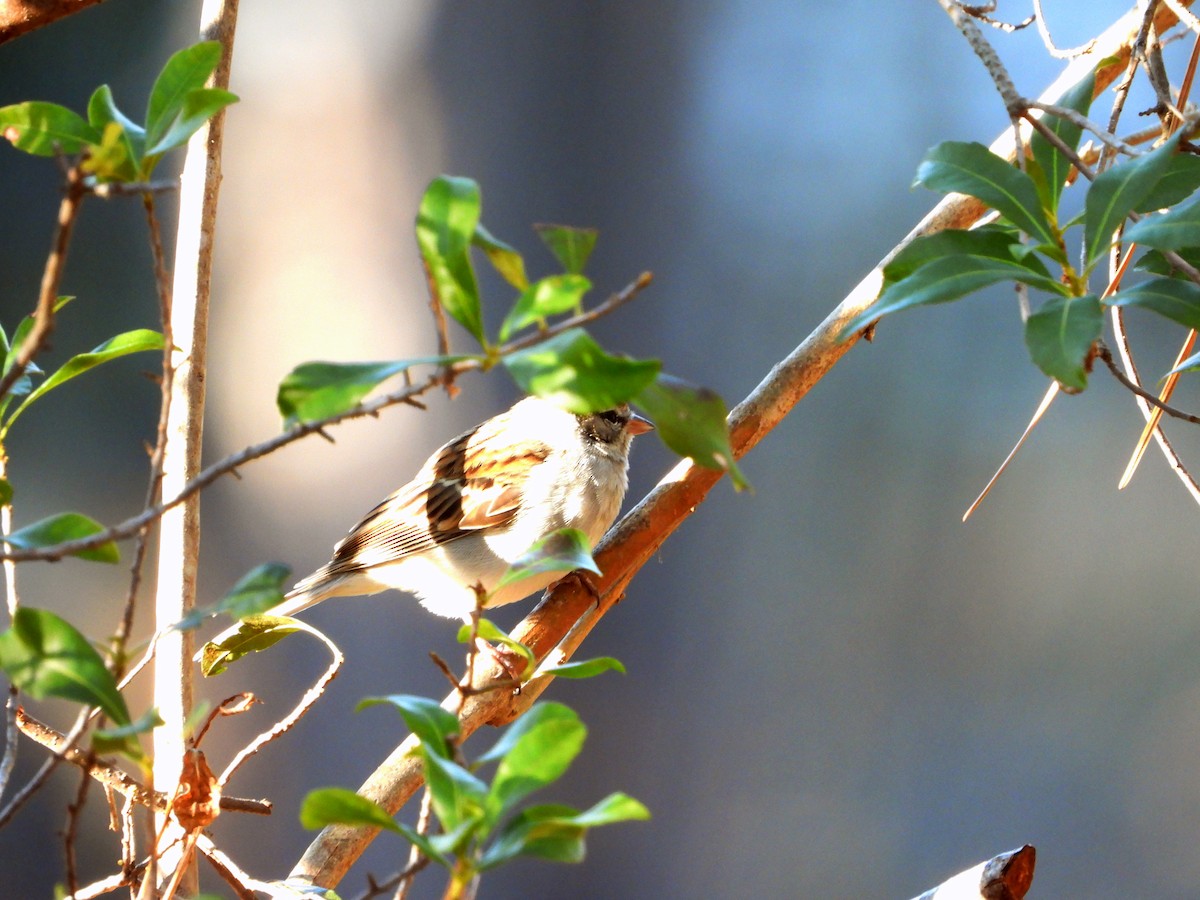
<point x="311" y="696"/>
<point x="179" y="532"/>
<point x="1048" y="41"/>
<point x="154" y="479"/>
<point x="120" y="782"/>
<point x="43" y="317"/>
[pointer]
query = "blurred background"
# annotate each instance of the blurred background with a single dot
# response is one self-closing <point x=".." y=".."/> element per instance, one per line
<point x="834" y="688"/>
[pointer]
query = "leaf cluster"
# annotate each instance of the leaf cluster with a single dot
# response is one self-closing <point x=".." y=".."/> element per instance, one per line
<point x="482" y="824"/>
<point x="1028" y="244"/>
<point x="116" y="148"/>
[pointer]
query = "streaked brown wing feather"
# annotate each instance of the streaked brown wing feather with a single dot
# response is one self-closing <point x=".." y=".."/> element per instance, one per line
<point x="456" y="492"/>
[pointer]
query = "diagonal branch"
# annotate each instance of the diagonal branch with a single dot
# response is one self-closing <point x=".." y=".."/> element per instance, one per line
<point x="571" y="611"/>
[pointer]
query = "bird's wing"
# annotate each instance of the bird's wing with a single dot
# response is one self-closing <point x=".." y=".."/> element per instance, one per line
<point x="465" y="486"/>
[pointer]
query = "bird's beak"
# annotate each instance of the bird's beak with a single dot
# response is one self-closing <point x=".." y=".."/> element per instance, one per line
<point x="638" y="424"/>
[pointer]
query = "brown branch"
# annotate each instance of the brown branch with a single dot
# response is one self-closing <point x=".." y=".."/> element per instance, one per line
<point x="311" y="696"/>
<point x="571" y="610"/>
<point x="154" y="480"/>
<point x="18" y="17"/>
<point x="120" y="782"/>
<point x="43" y="317"/>
<point x="1105" y="356"/>
<point x="1006" y="876"/>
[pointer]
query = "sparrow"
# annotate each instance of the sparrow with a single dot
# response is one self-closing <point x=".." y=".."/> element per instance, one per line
<point x="477" y="505"/>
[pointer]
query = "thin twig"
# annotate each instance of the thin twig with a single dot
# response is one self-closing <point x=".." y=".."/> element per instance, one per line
<point x="287" y="722"/>
<point x="43" y="317"/>
<point x="109" y="189"/>
<point x="1106" y="356"/>
<point x="243" y="885"/>
<point x="121" y="782"/>
<point x="1048" y="41"/>
<point x="965" y="22"/>
<point x="9" y="761"/>
<point x="154" y="479"/>
<point x="235" y="461"/>
<point x="1077" y="118"/>
<point x="74" y="808"/>
<point x="35" y="783"/>
<point x="416" y="859"/>
<point x="1062" y="146"/>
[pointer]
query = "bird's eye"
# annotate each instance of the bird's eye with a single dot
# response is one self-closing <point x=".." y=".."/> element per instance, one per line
<point x="613" y="416"/>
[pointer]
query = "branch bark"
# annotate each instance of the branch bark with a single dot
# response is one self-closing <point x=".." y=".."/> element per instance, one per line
<point x="18" y="17"/>
<point x="1004" y="877"/>
<point x="570" y="612"/>
<point x="179" y="535"/>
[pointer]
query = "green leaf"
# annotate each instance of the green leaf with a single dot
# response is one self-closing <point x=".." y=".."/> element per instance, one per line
<point x="123" y="141"/>
<point x="1155" y="262"/>
<point x="1053" y="164"/>
<point x="22" y="332"/>
<point x="339" y="806"/>
<point x="198" y="107"/>
<point x="102" y="110"/>
<point x="318" y="390"/>
<point x="504" y="259"/>
<point x="63" y="527"/>
<point x="557" y="832"/>
<point x="550" y="296"/>
<point x="45" y="656"/>
<point x="542" y="831"/>
<point x="564" y="550"/>
<point x="1118" y="191"/>
<point x="6" y="492"/>
<point x="586" y="668"/>
<point x="258" y="591"/>
<point x="950" y="278"/>
<point x="1177" y="229"/>
<point x="458" y="796"/>
<point x="123" y="739"/>
<point x="572" y="247"/>
<point x="137" y="341"/>
<point x="111" y="159"/>
<point x="1177" y="184"/>
<point x="535" y="751"/>
<point x="1192" y="362"/>
<point x="1173" y="298"/>
<point x="971" y="168"/>
<point x="254" y="633"/>
<point x="994" y="241"/>
<point x="615" y="807"/>
<point x="573" y="371"/>
<point x="425" y="718"/>
<point x="446" y="224"/>
<point x="692" y="421"/>
<point x="1060" y="336"/>
<point x="186" y="71"/>
<point x="46" y="129"/>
